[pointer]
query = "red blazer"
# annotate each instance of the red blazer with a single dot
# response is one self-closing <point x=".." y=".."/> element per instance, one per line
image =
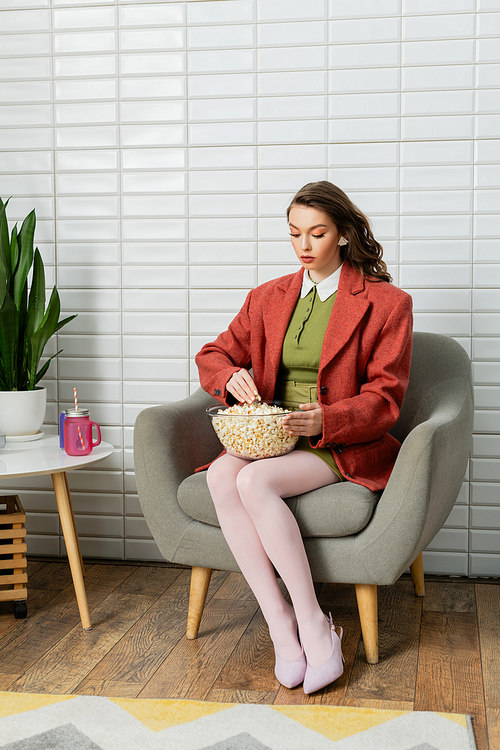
<point x="363" y="372"/>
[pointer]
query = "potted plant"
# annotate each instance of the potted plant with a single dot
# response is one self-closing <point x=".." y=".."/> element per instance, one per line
<point x="26" y="325"/>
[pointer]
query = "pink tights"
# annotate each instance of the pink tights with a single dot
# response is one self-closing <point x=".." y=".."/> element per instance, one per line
<point x="261" y="531"/>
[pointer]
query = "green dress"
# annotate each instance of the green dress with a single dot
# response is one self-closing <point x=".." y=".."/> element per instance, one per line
<point x="300" y="357"/>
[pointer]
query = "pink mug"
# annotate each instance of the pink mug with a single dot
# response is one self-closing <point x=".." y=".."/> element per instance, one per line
<point x="78" y="438"/>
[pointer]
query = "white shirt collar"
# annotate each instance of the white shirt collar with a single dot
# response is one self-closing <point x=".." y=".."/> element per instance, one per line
<point x="325" y="288"/>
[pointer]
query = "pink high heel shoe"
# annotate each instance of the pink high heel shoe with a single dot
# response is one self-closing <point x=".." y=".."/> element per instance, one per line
<point x="290" y="674"/>
<point x="319" y="677"/>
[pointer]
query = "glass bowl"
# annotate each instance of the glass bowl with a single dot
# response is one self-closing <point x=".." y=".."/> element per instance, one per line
<point x="252" y="431"/>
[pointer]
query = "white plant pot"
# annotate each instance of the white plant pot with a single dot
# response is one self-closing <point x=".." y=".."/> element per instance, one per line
<point x="22" y="412"/>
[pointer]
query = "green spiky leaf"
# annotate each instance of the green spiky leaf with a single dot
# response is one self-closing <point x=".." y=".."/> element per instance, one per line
<point x="14" y="249"/>
<point x="36" y="303"/>
<point x="25" y="241"/>
<point x="41" y="372"/>
<point x="5" y="271"/>
<point x="36" y="343"/>
<point x="9" y="339"/>
<point x="63" y="322"/>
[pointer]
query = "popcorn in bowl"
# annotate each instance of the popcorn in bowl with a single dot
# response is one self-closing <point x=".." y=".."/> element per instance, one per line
<point x="252" y="430"/>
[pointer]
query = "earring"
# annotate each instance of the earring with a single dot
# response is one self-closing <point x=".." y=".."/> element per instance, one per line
<point x="343" y="241"/>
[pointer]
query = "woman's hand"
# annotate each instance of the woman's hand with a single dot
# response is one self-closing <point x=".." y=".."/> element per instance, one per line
<point x="308" y="421"/>
<point x="242" y="386"/>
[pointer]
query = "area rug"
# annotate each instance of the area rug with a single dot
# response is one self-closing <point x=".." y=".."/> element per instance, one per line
<point x="65" y="722"/>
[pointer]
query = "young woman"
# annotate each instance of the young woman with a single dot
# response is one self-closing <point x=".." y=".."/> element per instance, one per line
<point x="334" y="339"/>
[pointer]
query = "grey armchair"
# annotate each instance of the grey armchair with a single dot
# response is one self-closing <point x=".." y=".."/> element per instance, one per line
<point x="351" y="535"/>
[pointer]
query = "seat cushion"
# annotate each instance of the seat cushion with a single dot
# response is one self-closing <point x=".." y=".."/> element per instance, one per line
<point x="336" y="510"/>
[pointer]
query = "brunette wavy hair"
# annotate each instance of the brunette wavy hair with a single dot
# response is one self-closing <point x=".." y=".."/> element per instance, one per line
<point x="362" y="249"/>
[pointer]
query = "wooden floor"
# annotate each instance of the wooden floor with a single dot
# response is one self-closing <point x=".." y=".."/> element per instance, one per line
<point x="440" y="653"/>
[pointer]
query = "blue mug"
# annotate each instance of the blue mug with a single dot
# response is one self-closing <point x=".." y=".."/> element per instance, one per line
<point x="62" y="417"/>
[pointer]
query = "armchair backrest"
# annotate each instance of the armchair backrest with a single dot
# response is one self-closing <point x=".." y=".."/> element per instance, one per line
<point x="440" y="378"/>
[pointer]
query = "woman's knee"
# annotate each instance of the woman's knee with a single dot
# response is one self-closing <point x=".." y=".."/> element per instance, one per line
<point x="221" y="481"/>
<point x="252" y="487"/>
<point x="214" y="475"/>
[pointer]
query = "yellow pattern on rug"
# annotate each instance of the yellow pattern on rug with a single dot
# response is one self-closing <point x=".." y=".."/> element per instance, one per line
<point x="161" y="713"/>
<point x="17" y="703"/>
<point x="337" y="722"/>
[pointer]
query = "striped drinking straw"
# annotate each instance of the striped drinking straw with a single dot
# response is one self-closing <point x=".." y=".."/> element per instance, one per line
<point x="79" y="430"/>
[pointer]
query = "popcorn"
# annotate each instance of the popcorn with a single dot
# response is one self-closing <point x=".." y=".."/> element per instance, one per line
<point x="253" y="430"/>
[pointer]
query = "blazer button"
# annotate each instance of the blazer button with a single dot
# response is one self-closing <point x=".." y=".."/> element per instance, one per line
<point x="323" y="390"/>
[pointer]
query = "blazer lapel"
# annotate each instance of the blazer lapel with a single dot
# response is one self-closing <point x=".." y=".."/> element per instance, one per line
<point x="277" y="316"/>
<point x="348" y="310"/>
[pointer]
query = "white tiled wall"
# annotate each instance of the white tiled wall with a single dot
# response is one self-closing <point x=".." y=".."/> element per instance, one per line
<point x="160" y="143"/>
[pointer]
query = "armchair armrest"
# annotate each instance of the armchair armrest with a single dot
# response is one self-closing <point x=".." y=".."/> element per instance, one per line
<point x="423" y="487"/>
<point x="170" y="442"/>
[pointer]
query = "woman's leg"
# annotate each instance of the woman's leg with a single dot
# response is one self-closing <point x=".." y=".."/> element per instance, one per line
<point x="245" y="544"/>
<point x="261" y="486"/>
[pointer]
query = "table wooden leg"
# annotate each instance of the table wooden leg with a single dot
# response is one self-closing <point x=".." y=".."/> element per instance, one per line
<point x="74" y="523"/>
<point x="64" y="506"/>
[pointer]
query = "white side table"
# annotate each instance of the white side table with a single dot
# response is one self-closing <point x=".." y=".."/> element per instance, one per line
<point x="44" y="456"/>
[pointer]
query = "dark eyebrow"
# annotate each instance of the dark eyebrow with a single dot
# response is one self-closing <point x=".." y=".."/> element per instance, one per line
<point x="314" y="227"/>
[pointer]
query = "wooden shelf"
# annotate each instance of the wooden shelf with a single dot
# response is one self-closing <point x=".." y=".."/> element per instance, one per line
<point x="13" y="575"/>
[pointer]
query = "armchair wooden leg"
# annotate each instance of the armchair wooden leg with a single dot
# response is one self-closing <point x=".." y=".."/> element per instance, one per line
<point x="200" y="581"/>
<point x="417" y="575"/>
<point x="366" y="594"/>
